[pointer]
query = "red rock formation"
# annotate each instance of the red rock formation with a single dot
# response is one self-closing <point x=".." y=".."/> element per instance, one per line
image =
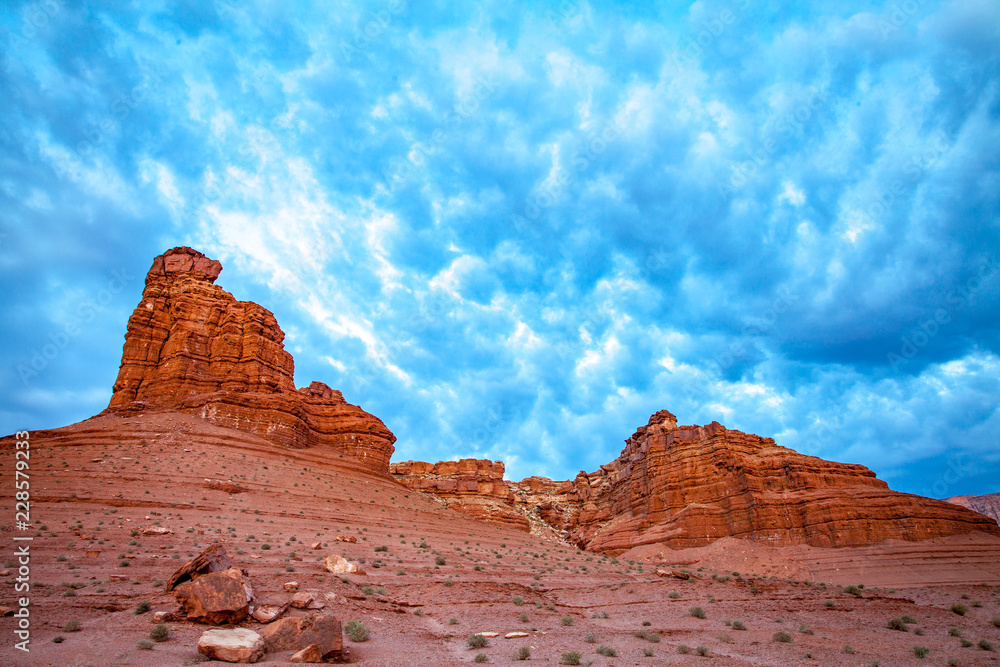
<point x="988" y="505"/>
<point x="192" y="347"/>
<point x="472" y="486"/>
<point x="690" y="485"/>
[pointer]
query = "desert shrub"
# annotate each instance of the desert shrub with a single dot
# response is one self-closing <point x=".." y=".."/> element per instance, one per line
<point x="702" y="651"/>
<point x="357" y="631"/>
<point x="959" y="608"/>
<point x="673" y="595"/>
<point x="738" y="625"/>
<point x="919" y="632"/>
<point x="966" y="643"/>
<point x="567" y="620"/>
<point x="418" y="612"/>
<point x="571" y="658"/>
<point x="954" y="632"/>
<point x="683" y="650"/>
<point x="897" y="624"/>
<point x="143" y="607"/>
<point x="782" y="637"/>
<point x="144" y="645"/>
<point x="72" y="626"/>
<point x="995" y="622"/>
<point x="518" y="600"/>
<point x="830" y="604"/>
<point x="697" y="612"/>
<point x="805" y="629"/>
<point x="477" y="641"/>
<point x="522" y="653"/>
<point x="954" y="662"/>
<point x="648" y="652"/>
<point x="481" y="657"/>
<point x="591" y="638"/>
<point x="908" y="619"/>
<point x="160" y="632"/>
<point x="849" y="650"/>
<point x="921" y="651"/>
<point x="853" y="590"/>
<point x="523" y="618"/>
<point x="58" y="640"/>
<point x="439" y="560"/>
<point x="985" y="645"/>
<point x="367" y="590"/>
<point x="605" y="650"/>
<point x="452" y="621"/>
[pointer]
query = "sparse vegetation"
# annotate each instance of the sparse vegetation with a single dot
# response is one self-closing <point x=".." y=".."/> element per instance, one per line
<point x="477" y="641"/>
<point x="522" y="653"/>
<point x="683" y="650"/>
<point x="571" y="658"/>
<point x="959" y="609"/>
<point x="481" y="657"/>
<point x="567" y="620"/>
<point x="357" y="631"/>
<point x="702" y="651"/>
<point x="738" y="625"/>
<point x="160" y="633"/>
<point x="72" y="626"/>
<point x="518" y="600"/>
<point x="853" y="590"/>
<point x="697" y="612"/>
<point x="921" y="651"/>
<point x="897" y="624"/>
<point x="143" y="607"/>
<point x="782" y="637"/>
<point x="849" y="650"/>
<point x="985" y="645"/>
<point x="605" y="651"/>
<point x="591" y="638"/>
<point x="144" y="645"/>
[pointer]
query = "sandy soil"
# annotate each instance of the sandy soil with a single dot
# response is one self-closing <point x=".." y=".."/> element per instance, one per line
<point x="97" y="485"/>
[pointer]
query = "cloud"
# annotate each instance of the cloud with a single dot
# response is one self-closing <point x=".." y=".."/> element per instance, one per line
<point x="517" y="233"/>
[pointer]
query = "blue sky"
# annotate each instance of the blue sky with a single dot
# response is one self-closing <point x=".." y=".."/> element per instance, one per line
<point x="515" y="230"/>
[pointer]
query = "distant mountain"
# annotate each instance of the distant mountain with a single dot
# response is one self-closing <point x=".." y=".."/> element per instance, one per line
<point x="988" y="505"/>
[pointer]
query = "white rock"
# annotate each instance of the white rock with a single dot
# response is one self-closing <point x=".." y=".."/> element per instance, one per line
<point x="237" y="645"/>
<point x="515" y="635"/>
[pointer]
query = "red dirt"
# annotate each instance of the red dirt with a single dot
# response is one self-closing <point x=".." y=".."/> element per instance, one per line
<point x="96" y="482"/>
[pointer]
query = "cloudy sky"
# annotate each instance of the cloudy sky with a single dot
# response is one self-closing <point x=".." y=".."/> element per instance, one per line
<point x="514" y="230"/>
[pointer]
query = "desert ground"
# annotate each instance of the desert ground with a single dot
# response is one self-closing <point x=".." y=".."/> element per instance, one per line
<point x="434" y="577"/>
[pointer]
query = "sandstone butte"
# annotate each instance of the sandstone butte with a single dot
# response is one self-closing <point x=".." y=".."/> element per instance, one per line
<point x="191" y="347"/>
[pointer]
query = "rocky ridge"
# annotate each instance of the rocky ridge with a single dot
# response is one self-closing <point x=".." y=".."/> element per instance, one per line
<point x="687" y="486"/>
<point x="191" y="347"/>
<point x="987" y="505"/>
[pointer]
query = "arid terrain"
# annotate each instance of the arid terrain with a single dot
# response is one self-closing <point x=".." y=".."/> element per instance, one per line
<point x="207" y="441"/>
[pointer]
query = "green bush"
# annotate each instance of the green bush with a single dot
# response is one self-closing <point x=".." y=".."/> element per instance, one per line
<point x="518" y="600"/>
<point x="481" y="657"/>
<point x="606" y="650"/>
<point x="985" y="645"/>
<point x="738" y="625"/>
<point x="439" y="560"/>
<point x="954" y="632"/>
<point x="853" y="590"/>
<point x="571" y="658"/>
<point x="996" y="622"/>
<point x="357" y="631"/>
<point x="897" y="624"/>
<point x="702" y="651"/>
<point x="160" y="633"/>
<point x="648" y="652"/>
<point x="782" y="637"/>
<point x="144" y="645"/>
<point x="567" y="620"/>
<point x="921" y="651"/>
<point x="477" y="641"/>
<point x="683" y="650"/>
<point x="697" y="612"/>
<point x="908" y="619"/>
<point x="522" y="653"/>
<point x="143" y="607"/>
<point x="959" y="608"/>
<point x="72" y="626"/>
<point x="591" y="638"/>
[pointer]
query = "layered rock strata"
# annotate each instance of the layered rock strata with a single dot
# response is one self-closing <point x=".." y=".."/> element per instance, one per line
<point x="190" y="346"/>
<point x="687" y="486"/>
<point x="987" y="505"/>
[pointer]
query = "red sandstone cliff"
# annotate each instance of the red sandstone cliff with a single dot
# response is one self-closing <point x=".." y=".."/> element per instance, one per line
<point x="690" y="485"/>
<point x="190" y="346"/>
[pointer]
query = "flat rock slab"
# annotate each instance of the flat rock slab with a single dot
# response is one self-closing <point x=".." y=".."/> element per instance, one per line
<point x="489" y="635"/>
<point x="293" y="634"/>
<point x="308" y="654"/>
<point x="515" y="635"/>
<point x="212" y="559"/>
<point x="237" y="645"/>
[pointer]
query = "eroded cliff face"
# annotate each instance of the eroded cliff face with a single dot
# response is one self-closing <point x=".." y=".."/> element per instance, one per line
<point x="987" y="505"/>
<point x="190" y="346"/>
<point x="687" y="486"/>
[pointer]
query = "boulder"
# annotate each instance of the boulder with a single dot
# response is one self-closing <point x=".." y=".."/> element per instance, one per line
<point x="293" y="634"/>
<point x="340" y="565"/>
<point x="265" y="613"/>
<point x="308" y="654"/>
<point x="212" y="559"/>
<point x="301" y="600"/>
<point x="237" y="645"/>
<point x="217" y="598"/>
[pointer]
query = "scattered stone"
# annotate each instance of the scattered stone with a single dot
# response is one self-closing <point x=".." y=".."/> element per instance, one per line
<point x="489" y="635"/>
<point x="217" y="598"/>
<point x="315" y="545"/>
<point x="266" y="613"/>
<point x="6" y="611"/>
<point x="237" y="645"/>
<point x="118" y="577"/>
<point x="212" y="559"/>
<point x="308" y="654"/>
<point x="515" y="635"/>
<point x="291" y="585"/>
<point x="93" y="554"/>
<point x="340" y="565"/>
<point x="291" y="634"/>
<point x="347" y="538"/>
<point x="301" y="600"/>
<point x="157" y="530"/>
